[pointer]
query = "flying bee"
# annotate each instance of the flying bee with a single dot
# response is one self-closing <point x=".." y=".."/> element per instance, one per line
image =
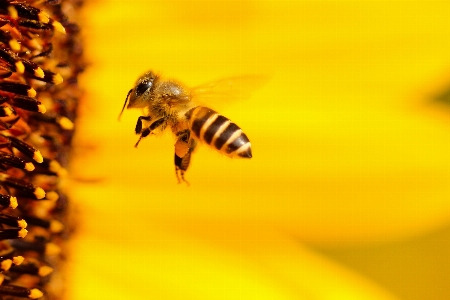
<point x="168" y="104"/>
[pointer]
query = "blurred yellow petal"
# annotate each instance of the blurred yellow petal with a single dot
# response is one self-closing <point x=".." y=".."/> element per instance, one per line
<point x="348" y="147"/>
<point x="129" y="253"/>
<point x="341" y="149"/>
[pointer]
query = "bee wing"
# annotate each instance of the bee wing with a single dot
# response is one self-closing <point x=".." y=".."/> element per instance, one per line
<point x="226" y="90"/>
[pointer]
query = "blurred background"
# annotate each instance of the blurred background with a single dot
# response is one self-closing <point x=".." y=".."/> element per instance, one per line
<point x="347" y="193"/>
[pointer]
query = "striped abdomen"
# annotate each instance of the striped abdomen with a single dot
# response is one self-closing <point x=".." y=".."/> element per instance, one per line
<point x="219" y="132"/>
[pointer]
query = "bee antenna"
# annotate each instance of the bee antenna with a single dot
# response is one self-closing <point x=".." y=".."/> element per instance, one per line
<point x="125" y="104"/>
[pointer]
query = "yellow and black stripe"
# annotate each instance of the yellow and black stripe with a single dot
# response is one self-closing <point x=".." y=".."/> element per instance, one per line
<point x="219" y="132"/>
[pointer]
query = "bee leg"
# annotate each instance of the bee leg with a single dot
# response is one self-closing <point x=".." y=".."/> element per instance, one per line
<point x="150" y="128"/>
<point x="182" y="144"/>
<point x="182" y="163"/>
<point x="144" y="133"/>
<point x="182" y="155"/>
<point x="138" y="128"/>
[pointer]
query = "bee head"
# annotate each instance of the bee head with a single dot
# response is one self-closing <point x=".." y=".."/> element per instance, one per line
<point x="141" y="94"/>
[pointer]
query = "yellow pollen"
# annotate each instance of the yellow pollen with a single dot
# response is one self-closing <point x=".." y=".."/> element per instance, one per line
<point x="13" y="12"/>
<point x="39" y="72"/>
<point x="43" y="17"/>
<point x="14" y="44"/>
<point x="57" y="79"/>
<point x="58" y="27"/>
<point x="20" y="68"/>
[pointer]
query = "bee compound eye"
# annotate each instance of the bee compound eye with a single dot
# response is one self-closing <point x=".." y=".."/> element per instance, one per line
<point x="142" y="87"/>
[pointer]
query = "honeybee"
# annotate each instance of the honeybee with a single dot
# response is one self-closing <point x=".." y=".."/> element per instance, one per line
<point x="169" y="104"/>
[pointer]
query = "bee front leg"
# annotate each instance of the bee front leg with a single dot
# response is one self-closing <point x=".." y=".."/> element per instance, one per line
<point x="150" y="128"/>
<point x="138" y="128"/>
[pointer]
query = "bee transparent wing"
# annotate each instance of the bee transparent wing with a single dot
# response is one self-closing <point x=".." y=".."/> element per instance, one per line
<point x="227" y="90"/>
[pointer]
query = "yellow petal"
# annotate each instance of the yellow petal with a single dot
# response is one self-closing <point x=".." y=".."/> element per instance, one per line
<point x="348" y="147"/>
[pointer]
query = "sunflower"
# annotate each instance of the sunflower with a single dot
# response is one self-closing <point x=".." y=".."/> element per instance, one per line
<point x="40" y="60"/>
<point x="345" y="197"/>
<point x="350" y="171"/>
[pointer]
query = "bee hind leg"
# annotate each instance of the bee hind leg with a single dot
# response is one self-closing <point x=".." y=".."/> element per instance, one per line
<point x="182" y="163"/>
<point x="179" y="171"/>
